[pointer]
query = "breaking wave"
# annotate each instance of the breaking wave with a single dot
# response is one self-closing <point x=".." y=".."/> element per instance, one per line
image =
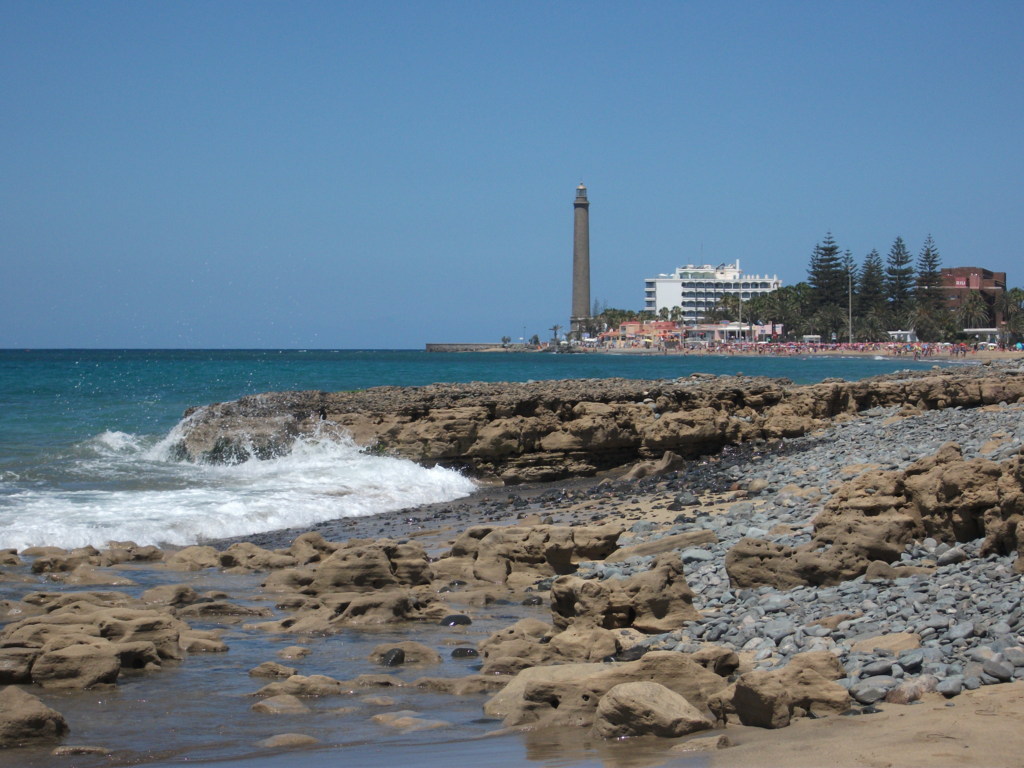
<point x="120" y="486"/>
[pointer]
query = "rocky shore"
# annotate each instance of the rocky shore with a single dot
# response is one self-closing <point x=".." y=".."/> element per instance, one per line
<point x="861" y="559"/>
<point x="550" y="430"/>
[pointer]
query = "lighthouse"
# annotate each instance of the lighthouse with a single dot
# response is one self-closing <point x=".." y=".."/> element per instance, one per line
<point x="580" y="262"/>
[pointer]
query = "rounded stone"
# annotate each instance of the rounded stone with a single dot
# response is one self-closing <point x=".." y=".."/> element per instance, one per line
<point x="393" y="658"/>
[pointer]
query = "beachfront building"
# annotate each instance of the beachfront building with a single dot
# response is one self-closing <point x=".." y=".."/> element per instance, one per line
<point x="697" y="289"/>
<point x="958" y="282"/>
<point x="731" y="332"/>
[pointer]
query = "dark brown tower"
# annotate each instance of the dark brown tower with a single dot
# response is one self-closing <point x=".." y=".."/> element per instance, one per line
<point x="580" y="262"/>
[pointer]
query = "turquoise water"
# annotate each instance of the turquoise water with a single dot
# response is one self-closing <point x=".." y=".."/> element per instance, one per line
<point x="83" y="435"/>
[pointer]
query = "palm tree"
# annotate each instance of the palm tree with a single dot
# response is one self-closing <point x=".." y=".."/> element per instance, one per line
<point x="726" y="310"/>
<point x="829" y="321"/>
<point x="1010" y="306"/>
<point x="872" y="326"/>
<point x="974" y="311"/>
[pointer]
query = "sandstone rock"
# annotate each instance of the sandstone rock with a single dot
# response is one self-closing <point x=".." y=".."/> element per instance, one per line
<point x="244" y="555"/>
<point x="272" y="669"/>
<point x="335" y="611"/>
<point x="283" y="704"/>
<point x="646" y="708"/>
<point x="311" y="548"/>
<point x="372" y="565"/>
<point x="894" y="641"/>
<point x="585" y="644"/>
<point x="89" y="575"/>
<point x="761" y="698"/>
<point x="175" y="595"/>
<point x="547" y="430"/>
<point x="568" y="694"/>
<point x="206" y="641"/>
<point x="16" y="665"/>
<point x="408" y="720"/>
<point x="496" y="554"/>
<point x="25" y="720"/>
<point x="462" y="686"/>
<point x="702" y="744"/>
<point x="413" y="652"/>
<point x="138" y="654"/>
<point x="222" y="610"/>
<point x="77" y="666"/>
<point x="193" y="559"/>
<point x="912" y="689"/>
<point x="869" y="520"/>
<point x="288" y="741"/>
<point x="664" y="544"/>
<point x="517" y="647"/>
<point x="301" y="685"/>
<point x="669" y="462"/>
<point x="769" y="699"/>
<point x="658" y="600"/>
<point x="721" y="661"/>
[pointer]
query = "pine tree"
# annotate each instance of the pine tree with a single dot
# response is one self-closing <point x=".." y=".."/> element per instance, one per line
<point x="899" y="279"/>
<point x="928" y="288"/>
<point x="826" y="275"/>
<point x="871" y="286"/>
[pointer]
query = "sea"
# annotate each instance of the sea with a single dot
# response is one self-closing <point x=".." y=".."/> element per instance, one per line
<point x="84" y="460"/>
<point x="84" y="435"/>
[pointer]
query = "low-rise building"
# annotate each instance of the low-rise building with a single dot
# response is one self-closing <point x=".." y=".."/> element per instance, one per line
<point x="697" y="289"/>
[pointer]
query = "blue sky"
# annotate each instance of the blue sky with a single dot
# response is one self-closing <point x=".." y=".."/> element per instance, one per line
<point x="381" y="175"/>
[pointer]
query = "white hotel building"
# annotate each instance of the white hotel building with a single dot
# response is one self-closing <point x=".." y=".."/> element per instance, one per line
<point x="696" y="289"/>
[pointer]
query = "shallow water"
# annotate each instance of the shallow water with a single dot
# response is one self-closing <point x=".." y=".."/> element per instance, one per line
<point x="197" y="712"/>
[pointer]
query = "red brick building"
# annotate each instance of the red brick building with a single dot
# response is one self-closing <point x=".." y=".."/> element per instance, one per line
<point x="957" y="282"/>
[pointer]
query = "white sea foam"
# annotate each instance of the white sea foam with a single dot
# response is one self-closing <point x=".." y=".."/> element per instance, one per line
<point x="124" y="487"/>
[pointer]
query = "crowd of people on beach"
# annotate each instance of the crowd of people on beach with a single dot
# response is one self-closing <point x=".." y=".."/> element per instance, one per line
<point x="916" y="350"/>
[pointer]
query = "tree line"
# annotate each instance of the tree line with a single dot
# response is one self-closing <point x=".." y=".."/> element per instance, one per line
<point x="898" y="292"/>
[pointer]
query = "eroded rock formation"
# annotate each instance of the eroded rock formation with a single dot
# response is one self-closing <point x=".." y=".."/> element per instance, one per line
<point x="549" y="430"/>
<point x="870" y="519"/>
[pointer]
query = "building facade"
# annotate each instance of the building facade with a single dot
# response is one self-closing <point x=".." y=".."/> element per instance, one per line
<point x="958" y="282"/>
<point x="697" y="289"/>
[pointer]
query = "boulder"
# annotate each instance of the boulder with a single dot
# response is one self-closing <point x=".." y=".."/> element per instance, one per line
<point x="283" y="704"/>
<point x="16" y="665"/>
<point x="646" y="708"/>
<point x="77" y="666"/>
<point x="412" y="652"/>
<point x="870" y="519"/>
<point x="525" y="554"/>
<point x="372" y="565"/>
<point x="770" y="699"/>
<point x="517" y="647"/>
<point x="288" y="741"/>
<point x="568" y="694"/>
<point x="194" y="558"/>
<point x="302" y="685"/>
<point x="246" y="556"/>
<point x="26" y="721"/>
<point x="272" y="669"/>
<point x="658" y="600"/>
